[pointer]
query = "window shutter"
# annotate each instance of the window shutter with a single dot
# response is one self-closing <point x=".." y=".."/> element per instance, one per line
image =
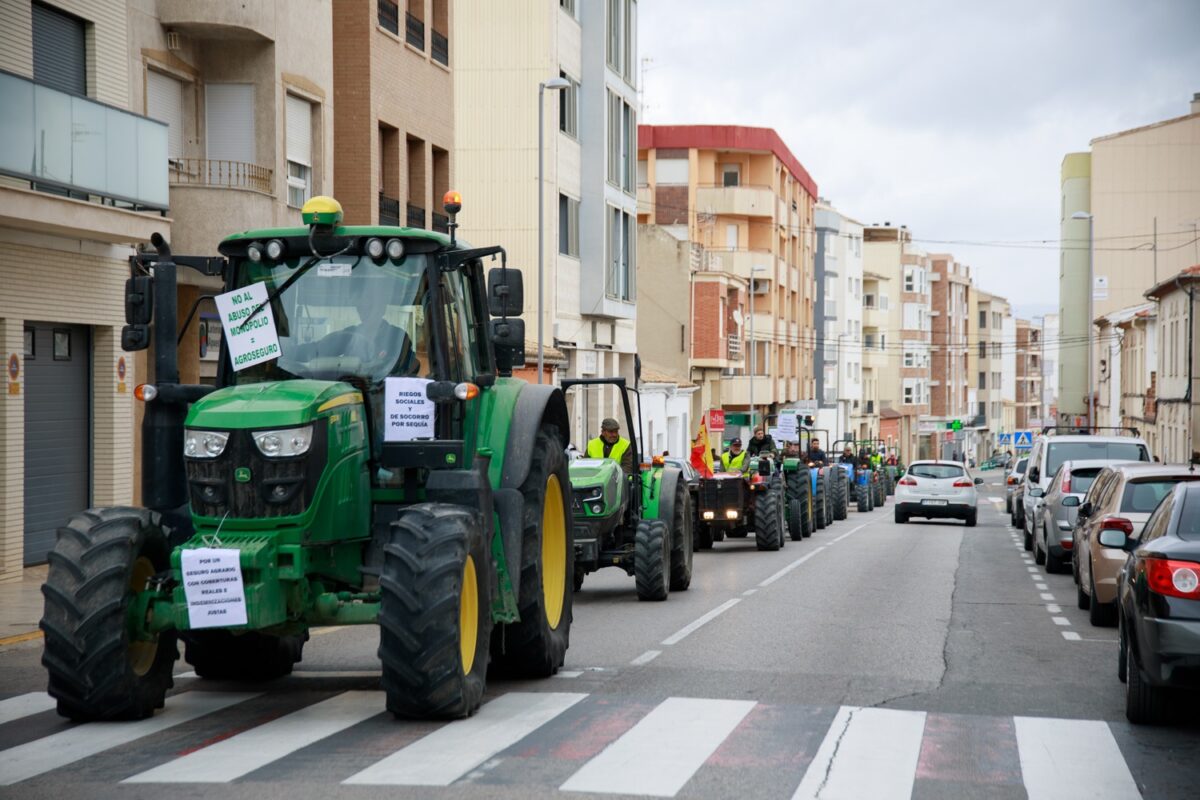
<point x="299" y="131"/>
<point x="164" y="102"/>
<point x="59" y="50"/>
<point x="229" y="121"/>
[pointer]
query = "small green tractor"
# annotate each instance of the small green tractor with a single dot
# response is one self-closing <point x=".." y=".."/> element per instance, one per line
<point x="640" y="522"/>
<point x="379" y="466"/>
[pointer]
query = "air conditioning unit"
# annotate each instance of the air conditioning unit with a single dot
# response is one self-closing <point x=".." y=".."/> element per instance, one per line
<point x="760" y="286"/>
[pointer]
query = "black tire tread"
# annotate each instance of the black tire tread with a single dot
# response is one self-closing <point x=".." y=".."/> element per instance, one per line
<point x="681" y="540"/>
<point x="651" y="560"/>
<point x="768" y="532"/>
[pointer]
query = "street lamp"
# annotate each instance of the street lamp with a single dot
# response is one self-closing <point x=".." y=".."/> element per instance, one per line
<point x="1091" y="221"/>
<point x="554" y="85"/>
<point x="841" y="361"/>
<point x="753" y="347"/>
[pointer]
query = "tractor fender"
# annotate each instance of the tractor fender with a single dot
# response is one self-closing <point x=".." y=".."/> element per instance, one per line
<point x="535" y="404"/>
<point x="665" y="495"/>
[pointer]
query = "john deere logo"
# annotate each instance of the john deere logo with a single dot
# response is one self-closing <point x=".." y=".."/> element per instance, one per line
<point x="242" y="474"/>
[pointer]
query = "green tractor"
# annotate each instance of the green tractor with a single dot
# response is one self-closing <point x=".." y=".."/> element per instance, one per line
<point x="365" y="458"/>
<point x="798" y="490"/>
<point x="640" y="522"/>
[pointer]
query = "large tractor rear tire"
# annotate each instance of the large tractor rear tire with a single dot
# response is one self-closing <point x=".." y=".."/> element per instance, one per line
<point x="99" y="668"/>
<point x="841" y="510"/>
<point x="681" y="540"/>
<point x="222" y="655"/>
<point x="536" y="646"/>
<point x="435" y="617"/>
<point x="651" y="559"/>
<point x="798" y="505"/>
<point x="821" y="502"/>
<point x="768" y="518"/>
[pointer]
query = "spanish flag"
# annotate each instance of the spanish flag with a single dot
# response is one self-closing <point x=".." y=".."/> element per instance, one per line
<point x="702" y="453"/>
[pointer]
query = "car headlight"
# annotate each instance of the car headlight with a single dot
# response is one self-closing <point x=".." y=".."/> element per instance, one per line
<point x="284" y="443"/>
<point x="595" y="493"/>
<point x="204" y="444"/>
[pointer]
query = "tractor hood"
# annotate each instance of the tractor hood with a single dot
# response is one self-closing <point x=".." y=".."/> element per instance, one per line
<point x="587" y="472"/>
<point x="268" y="404"/>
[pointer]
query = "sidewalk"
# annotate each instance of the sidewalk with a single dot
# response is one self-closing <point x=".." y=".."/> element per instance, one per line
<point x="21" y="607"/>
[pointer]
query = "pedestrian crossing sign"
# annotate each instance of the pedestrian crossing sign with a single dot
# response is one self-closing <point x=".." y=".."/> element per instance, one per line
<point x="1023" y="440"/>
<point x="1004" y="438"/>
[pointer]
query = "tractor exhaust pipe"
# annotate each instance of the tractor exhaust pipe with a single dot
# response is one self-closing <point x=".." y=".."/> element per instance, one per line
<point x="164" y="482"/>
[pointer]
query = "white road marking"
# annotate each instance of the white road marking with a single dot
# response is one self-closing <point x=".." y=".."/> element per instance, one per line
<point x="1063" y="621"/>
<point x="1032" y="569"/>
<point x="567" y="673"/>
<point x="1093" y="768"/>
<point x="231" y="758"/>
<point x="792" y="566"/>
<point x="681" y="733"/>
<point x="1053" y="608"/>
<point x="1071" y="636"/>
<point x="24" y="705"/>
<point x="681" y="634"/>
<point x="646" y="657"/>
<point x="1041" y="587"/>
<point x="60" y="749"/>
<point x="749" y="592"/>
<point x="852" y="530"/>
<point x="452" y="751"/>
<point x="1046" y="596"/>
<point x="867" y="752"/>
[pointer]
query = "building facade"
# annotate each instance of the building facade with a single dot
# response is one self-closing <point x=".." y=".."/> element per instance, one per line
<point x="990" y="367"/>
<point x="1051" y="345"/>
<point x="838" y="308"/>
<point x="1028" y="363"/>
<point x="1073" y="289"/>
<point x="1176" y="401"/>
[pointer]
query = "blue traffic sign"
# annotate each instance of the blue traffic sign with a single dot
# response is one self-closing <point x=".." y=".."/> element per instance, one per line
<point x="1004" y="438"/>
<point x="1024" y="440"/>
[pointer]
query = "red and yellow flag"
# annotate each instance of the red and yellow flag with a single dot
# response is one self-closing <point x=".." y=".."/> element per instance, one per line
<point x="702" y="458"/>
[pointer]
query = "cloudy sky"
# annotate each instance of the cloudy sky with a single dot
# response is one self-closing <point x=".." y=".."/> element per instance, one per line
<point x="949" y="117"/>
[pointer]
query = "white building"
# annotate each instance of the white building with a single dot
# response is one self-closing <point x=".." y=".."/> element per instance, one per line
<point x="839" y="314"/>
<point x="1051" y="346"/>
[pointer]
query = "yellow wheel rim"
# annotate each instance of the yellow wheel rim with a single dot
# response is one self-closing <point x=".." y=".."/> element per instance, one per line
<point x="554" y="552"/>
<point x="468" y="616"/>
<point x="141" y="654"/>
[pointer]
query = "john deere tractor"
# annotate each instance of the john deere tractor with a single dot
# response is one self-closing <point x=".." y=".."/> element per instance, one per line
<point x="640" y="522"/>
<point x="365" y="458"/>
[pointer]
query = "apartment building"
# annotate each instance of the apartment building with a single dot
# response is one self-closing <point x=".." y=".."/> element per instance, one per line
<point x="903" y="379"/>
<point x="991" y="363"/>
<point x="83" y="181"/>
<point x="950" y="287"/>
<point x="1176" y="400"/>
<point x="1127" y="340"/>
<point x="1028" y="379"/>
<point x="589" y="191"/>
<point x="876" y="305"/>
<point x="838" y="308"/>
<point x="742" y="195"/>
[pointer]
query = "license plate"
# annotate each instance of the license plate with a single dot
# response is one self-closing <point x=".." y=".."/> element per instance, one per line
<point x="933" y="502"/>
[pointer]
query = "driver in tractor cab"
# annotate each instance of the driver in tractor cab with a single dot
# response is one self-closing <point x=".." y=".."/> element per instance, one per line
<point x="876" y="459"/>
<point x="610" y="444"/>
<point x="847" y="455"/>
<point x="761" y="444"/>
<point x="734" y="459"/>
<point x="815" y="454"/>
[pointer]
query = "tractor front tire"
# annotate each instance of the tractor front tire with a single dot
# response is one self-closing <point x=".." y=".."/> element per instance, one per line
<point x="820" y="505"/>
<point x="98" y="669"/>
<point x="841" y="497"/>
<point x="681" y="540"/>
<point x="860" y="497"/>
<point x="794" y="529"/>
<point x="435" y="617"/>
<point x="221" y="655"/>
<point x="651" y="559"/>
<point x="704" y="537"/>
<point x="536" y="646"/>
<point x="768" y="519"/>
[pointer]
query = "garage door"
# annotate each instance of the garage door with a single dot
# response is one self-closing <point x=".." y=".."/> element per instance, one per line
<point x="58" y="446"/>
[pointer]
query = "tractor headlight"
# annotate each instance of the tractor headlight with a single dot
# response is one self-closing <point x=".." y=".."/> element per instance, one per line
<point x="731" y="514"/>
<point x="375" y="248"/>
<point x="709" y="515"/>
<point x="395" y="249"/>
<point x="275" y="249"/>
<point x="595" y="493"/>
<point x="204" y="444"/>
<point x="284" y="443"/>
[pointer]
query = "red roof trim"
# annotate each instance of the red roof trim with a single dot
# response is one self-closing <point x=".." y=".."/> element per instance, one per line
<point x="726" y="137"/>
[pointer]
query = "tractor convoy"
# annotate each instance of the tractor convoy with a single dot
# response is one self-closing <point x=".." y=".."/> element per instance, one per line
<point x="367" y="457"/>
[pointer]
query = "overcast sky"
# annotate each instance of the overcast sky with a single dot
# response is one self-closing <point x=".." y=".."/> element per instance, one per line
<point x="949" y="117"/>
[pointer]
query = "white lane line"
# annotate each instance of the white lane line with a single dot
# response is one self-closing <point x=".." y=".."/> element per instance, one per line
<point x="240" y="755"/>
<point x="790" y="567"/>
<point x="681" y="733"/>
<point x="1047" y="596"/>
<point x="1053" y="608"/>
<point x="60" y="749"/>
<point x="646" y="657"/>
<point x="452" y="751"/>
<point x="852" y="530"/>
<point x="749" y="592"/>
<point x="24" y="705"/>
<point x="1094" y="769"/>
<point x="679" y="635"/>
<point x="1032" y="569"/>
<point x="1071" y="636"/>
<point x="566" y="674"/>
<point x="1061" y="621"/>
<point x="868" y="752"/>
<point x="1041" y="587"/>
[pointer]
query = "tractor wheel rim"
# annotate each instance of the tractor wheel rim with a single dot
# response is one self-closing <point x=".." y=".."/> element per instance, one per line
<point x="554" y="552"/>
<point x="468" y="616"/>
<point x="141" y="654"/>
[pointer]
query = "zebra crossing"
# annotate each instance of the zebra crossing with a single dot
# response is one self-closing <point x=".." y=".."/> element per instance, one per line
<point x="572" y="742"/>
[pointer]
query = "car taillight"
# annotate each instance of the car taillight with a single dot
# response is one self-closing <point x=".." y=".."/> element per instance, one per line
<point x="1173" y="578"/>
<point x="1117" y="524"/>
<point x="906" y="481"/>
<point x="1066" y="481"/>
<point x="1067" y="542"/>
<point x="963" y="483"/>
<point x="1011" y="480"/>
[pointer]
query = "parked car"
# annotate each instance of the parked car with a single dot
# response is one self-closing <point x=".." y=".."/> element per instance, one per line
<point x="937" y="490"/>
<point x="1049" y="452"/>
<point x="1053" y="543"/>
<point x="1011" y="482"/>
<point x="1122" y="498"/>
<point x="1158" y="596"/>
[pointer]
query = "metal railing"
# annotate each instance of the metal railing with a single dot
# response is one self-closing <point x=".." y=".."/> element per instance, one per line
<point x="219" y="172"/>
<point x="389" y="16"/>
<point x="416" y="216"/>
<point x="414" y="31"/>
<point x="441" y="222"/>
<point x="734" y="346"/>
<point x="440" y="47"/>
<point x="389" y="210"/>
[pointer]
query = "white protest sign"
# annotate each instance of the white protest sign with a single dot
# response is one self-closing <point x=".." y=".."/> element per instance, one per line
<point x="251" y="341"/>
<point x="786" y="427"/>
<point x="212" y="583"/>
<point x="409" y="414"/>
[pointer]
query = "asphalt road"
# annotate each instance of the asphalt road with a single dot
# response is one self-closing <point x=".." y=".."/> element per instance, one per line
<point x="875" y="660"/>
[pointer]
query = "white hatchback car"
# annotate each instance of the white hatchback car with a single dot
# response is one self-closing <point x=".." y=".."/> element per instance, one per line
<point x="937" y="490"/>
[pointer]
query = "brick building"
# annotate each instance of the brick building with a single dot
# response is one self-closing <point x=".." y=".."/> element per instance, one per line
<point x="1028" y="407"/>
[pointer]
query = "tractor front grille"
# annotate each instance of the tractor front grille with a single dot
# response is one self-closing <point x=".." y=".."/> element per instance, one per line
<point x="277" y="487"/>
<point x="720" y="493"/>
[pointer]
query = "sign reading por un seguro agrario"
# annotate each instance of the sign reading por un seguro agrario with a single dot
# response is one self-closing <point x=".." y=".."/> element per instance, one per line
<point x="251" y="337"/>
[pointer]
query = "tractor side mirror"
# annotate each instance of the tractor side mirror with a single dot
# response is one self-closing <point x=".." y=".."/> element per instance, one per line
<point x="506" y="293"/>
<point x="508" y="333"/>
<point x="135" y="337"/>
<point x="764" y="466"/>
<point x="139" y="300"/>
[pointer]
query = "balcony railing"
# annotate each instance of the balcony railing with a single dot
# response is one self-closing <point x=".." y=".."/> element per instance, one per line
<point x="416" y="216"/>
<point x="389" y="16"/>
<point x="414" y="31"/>
<point x="440" y="47"/>
<point x="735" y="346"/>
<point x="73" y="145"/>
<point x="389" y="210"/>
<point x="441" y="222"/>
<point x="221" y="173"/>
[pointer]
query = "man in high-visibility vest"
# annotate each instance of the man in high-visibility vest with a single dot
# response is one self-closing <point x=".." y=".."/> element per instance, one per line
<point x="610" y="444"/>
<point x="734" y="459"/>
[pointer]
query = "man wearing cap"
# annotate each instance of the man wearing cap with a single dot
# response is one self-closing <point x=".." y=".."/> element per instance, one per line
<point x="610" y="444"/>
<point x="734" y="459"/>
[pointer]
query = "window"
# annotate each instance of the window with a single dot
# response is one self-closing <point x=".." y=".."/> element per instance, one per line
<point x="671" y="171"/>
<point x="910" y="279"/>
<point x="614" y="29"/>
<point x="59" y="50"/>
<point x="731" y="174"/>
<point x="995" y="380"/>
<point x="568" y="226"/>
<point x="983" y="349"/>
<point x="982" y="381"/>
<point x="982" y="320"/>
<point x="996" y="320"/>
<point x="463" y="328"/>
<point x="164" y="102"/>
<point x="628" y="147"/>
<point x="936" y="471"/>
<point x="568" y="107"/>
<point x="299" y="150"/>
<point x="1142" y="497"/>
<point x="229" y="122"/>
<point x="30" y="351"/>
<point x="567" y="6"/>
<point x="620" y="238"/>
<point x="614" y="138"/>
<point x="995" y="349"/>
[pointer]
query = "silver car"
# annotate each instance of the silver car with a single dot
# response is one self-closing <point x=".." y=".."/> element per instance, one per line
<point x="1052" y="542"/>
<point x="1012" y="481"/>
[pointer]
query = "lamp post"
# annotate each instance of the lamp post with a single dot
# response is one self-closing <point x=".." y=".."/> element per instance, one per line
<point x="1091" y="221"/>
<point x="753" y="347"/>
<point x="841" y="363"/>
<point x="554" y="85"/>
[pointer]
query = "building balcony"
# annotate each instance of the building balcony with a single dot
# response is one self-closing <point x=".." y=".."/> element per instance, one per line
<point x="439" y="47"/>
<point x="219" y="19"/>
<point x="739" y="201"/>
<point x="874" y="317"/>
<point x="389" y="16"/>
<point x="414" y="31"/>
<point x="441" y="222"/>
<point x="389" y="210"/>
<point x="874" y="358"/>
<point x="75" y="147"/>
<point x="742" y="262"/>
<point x="221" y="174"/>
<point x="735" y="391"/>
<point x="415" y="217"/>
